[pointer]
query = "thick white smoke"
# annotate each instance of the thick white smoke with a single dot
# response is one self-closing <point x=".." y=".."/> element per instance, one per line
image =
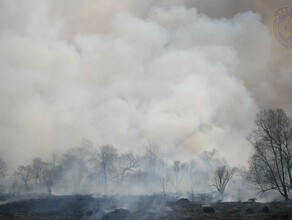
<point x="125" y="72"/>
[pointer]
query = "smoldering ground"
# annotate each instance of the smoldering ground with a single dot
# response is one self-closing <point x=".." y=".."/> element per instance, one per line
<point x="188" y="75"/>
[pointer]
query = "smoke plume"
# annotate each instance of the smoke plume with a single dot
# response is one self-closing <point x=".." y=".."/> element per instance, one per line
<point x="187" y="75"/>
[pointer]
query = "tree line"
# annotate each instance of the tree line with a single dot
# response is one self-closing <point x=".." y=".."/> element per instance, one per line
<point x="86" y="169"/>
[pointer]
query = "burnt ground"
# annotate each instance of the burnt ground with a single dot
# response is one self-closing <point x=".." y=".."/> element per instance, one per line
<point x="135" y="207"/>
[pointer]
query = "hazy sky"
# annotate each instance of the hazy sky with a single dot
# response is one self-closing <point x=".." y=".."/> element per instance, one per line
<point x="189" y="75"/>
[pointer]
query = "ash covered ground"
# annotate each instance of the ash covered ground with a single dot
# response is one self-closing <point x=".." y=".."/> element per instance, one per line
<point x="136" y="207"/>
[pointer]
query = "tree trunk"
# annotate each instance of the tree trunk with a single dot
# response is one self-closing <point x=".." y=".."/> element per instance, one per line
<point x="286" y="196"/>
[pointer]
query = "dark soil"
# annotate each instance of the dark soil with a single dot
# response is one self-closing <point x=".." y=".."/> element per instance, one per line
<point x="143" y="207"/>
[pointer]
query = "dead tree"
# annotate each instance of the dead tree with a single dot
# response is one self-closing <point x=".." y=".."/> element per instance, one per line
<point x="271" y="162"/>
<point x="152" y="155"/>
<point x="75" y="166"/>
<point x="25" y="174"/>
<point x="3" y="170"/>
<point x="164" y="185"/>
<point x="107" y="158"/>
<point x="51" y="174"/>
<point x="126" y="165"/>
<point x="177" y="173"/>
<point x="37" y="167"/>
<point x="222" y="175"/>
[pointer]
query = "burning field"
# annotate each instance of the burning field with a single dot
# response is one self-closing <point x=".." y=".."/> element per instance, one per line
<point x="138" y="207"/>
<point x="145" y="109"/>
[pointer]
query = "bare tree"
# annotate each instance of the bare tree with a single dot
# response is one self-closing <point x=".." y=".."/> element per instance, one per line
<point x="26" y="174"/>
<point x="209" y="161"/>
<point x="107" y="158"/>
<point x="164" y="184"/>
<point x="74" y="164"/>
<point x="271" y="162"/>
<point x="152" y="155"/>
<point x="3" y="170"/>
<point x="51" y="173"/>
<point x="37" y="167"/>
<point x="126" y="165"/>
<point x="208" y="155"/>
<point x="222" y="175"/>
<point x="178" y="170"/>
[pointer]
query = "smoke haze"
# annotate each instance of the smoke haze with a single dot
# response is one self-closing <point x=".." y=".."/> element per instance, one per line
<point x="188" y="75"/>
